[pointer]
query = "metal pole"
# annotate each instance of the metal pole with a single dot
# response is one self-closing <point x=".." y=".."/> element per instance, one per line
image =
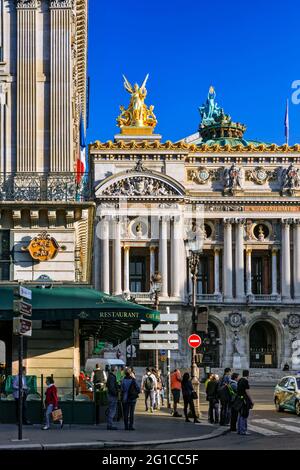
<point x="156" y="350"/>
<point x="42" y="398"/>
<point x="168" y="379"/>
<point x="20" y="424"/>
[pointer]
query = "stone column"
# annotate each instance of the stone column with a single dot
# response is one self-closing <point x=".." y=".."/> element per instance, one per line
<point x="61" y="127"/>
<point x="285" y="261"/>
<point x="248" y="271"/>
<point x="97" y="255"/>
<point x="217" y="270"/>
<point x="26" y="86"/>
<point x="117" y="258"/>
<point x="274" y="272"/>
<point x="297" y="259"/>
<point x="152" y="260"/>
<point x="239" y="260"/>
<point x="163" y="255"/>
<point x="227" y="260"/>
<point x="126" y="269"/>
<point x="105" y="262"/>
<point x="175" y="255"/>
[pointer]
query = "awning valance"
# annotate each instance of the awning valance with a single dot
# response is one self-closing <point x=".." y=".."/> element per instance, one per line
<point x="107" y="316"/>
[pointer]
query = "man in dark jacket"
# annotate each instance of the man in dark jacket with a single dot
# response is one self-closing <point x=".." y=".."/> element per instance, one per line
<point x="112" y="394"/>
<point x="212" y="398"/>
<point x="225" y="397"/>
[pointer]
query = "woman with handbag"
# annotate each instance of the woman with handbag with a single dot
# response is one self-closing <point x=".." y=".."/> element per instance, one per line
<point x="189" y="395"/>
<point x="51" y="404"/>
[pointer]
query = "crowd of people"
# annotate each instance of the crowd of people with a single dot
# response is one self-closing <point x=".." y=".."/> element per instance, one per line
<point x="229" y="400"/>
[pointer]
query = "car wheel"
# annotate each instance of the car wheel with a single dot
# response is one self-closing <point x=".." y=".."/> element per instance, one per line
<point x="277" y="405"/>
<point x="297" y="407"/>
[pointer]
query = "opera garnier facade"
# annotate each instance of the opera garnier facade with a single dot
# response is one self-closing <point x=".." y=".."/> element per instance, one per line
<point x="243" y="199"/>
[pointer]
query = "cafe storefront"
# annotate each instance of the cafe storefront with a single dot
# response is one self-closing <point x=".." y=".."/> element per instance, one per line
<point x="65" y="320"/>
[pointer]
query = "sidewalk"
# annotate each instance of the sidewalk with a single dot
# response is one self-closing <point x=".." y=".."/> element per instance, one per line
<point x="151" y="429"/>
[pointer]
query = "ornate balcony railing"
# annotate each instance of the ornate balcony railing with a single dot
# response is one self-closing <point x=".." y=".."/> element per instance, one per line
<point x="206" y="298"/>
<point x="264" y="298"/>
<point x="62" y="187"/>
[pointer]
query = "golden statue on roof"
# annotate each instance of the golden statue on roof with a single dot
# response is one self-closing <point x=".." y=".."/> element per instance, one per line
<point x="137" y="118"/>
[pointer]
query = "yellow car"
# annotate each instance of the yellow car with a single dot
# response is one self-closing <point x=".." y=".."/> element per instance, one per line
<point x="287" y="394"/>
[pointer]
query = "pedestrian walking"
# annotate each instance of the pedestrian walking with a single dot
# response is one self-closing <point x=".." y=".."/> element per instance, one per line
<point x="189" y="395"/>
<point x="212" y="398"/>
<point x="112" y="395"/>
<point x="51" y="402"/>
<point x="15" y="386"/>
<point x="163" y="387"/>
<point x="130" y="392"/>
<point x="148" y="387"/>
<point x="175" y="389"/>
<point x="224" y="396"/>
<point x="243" y="393"/>
<point x="233" y="383"/>
<point x="157" y="390"/>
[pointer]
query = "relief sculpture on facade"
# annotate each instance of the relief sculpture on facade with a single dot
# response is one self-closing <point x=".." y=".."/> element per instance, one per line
<point x="139" y="186"/>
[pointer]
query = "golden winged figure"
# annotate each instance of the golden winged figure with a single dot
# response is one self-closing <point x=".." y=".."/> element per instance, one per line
<point x="137" y="114"/>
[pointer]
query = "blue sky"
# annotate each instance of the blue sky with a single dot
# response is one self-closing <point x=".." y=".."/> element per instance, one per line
<point x="248" y="50"/>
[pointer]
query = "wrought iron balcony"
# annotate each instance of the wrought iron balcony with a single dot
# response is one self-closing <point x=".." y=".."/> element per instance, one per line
<point x="62" y="187"/>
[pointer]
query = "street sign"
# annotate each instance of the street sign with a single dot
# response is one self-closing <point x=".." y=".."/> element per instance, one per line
<point x="161" y="327"/>
<point x="158" y="337"/>
<point x="22" y="326"/>
<point x="26" y="293"/>
<point x="194" y="341"/>
<point x="154" y="346"/>
<point x="23" y="308"/>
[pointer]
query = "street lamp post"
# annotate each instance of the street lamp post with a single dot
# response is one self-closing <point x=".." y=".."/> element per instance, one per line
<point x="156" y="281"/>
<point x="193" y="255"/>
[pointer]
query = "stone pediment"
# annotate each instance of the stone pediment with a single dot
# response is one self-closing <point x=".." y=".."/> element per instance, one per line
<point x="140" y="183"/>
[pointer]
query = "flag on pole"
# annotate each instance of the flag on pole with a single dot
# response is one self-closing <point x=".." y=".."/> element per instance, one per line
<point x="81" y="160"/>
<point x="286" y="123"/>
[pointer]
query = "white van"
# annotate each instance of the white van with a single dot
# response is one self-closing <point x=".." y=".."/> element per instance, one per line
<point x="90" y="364"/>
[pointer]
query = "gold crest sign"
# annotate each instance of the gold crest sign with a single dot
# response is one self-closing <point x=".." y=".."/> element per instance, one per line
<point x="43" y="247"/>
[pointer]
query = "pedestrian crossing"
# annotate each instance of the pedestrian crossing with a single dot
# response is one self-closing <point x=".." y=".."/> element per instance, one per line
<point x="269" y="427"/>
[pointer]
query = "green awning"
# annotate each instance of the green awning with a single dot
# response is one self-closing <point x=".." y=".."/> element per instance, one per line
<point x="101" y="315"/>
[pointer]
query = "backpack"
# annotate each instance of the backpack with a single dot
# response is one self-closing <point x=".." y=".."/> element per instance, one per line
<point x="232" y="393"/>
<point x="133" y="393"/>
<point x="149" y="383"/>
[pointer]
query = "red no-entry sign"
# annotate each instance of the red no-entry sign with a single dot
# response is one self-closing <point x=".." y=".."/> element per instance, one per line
<point x="194" y="341"/>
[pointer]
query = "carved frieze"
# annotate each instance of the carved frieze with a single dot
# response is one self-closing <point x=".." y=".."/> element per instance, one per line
<point x="260" y="175"/>
<point x="28" y="4"/>
<point x="139" y="186"/>
<point x="292" y="321"/>
<point x="200" y="175"/>
<point x="62" y="4"/>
